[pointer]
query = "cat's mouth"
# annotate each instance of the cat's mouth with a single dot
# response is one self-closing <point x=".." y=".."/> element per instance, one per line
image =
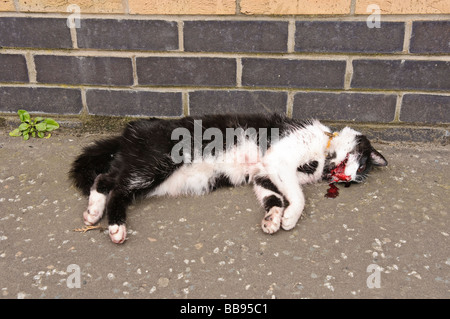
<point x="337" y="174"/>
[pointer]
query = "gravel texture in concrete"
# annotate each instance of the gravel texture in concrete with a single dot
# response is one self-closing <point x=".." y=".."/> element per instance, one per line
<point x="386" y="238"/>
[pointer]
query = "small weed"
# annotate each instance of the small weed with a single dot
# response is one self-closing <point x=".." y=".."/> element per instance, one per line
<point x="33" y="127"/>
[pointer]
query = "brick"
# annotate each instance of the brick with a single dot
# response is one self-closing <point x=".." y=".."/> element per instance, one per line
<point x="281" y="7"/>
<point x="401" y="74"/>
<point x="360" y="107"/>
<point x="235" y="36"/>
<point x="339" y="36"/>
<point x="86" y="6"/>
<point x="84" y="70"/>
<point x="171" y="71"/>
<point x="35" y="33"/>
<point x="111" y="34"/>
<point x="293" y="73"/>
<point x="7" y="5"/>
<point x="244" y="102"/>
<point x="134" y="103"/>
<point x="395" y="133"/>
<point x="425" y="108"/>
<point x="215" y="7"/>
<point x="40" y="99"/>
<point x="13" y="68"/>
<point x="404" y="6"/>
<point x="430" y="37"/>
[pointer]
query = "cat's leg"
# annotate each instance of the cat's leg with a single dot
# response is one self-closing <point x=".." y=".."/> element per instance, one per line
<point x="291" y="189"/>
<point x="97" y="199"/>
<point x="131" y="183"/>
<point x="116" y="207"/>
<point x="284" y="180"/>
<point x="273" y="202"/>
<point x="135" y="180"/>
<point x="293" y="212"/>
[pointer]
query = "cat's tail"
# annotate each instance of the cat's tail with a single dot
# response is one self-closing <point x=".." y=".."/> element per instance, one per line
<point x="94" y="160"/>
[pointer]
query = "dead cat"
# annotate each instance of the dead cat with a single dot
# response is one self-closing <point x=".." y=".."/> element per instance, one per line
<point x="195" y="155"/>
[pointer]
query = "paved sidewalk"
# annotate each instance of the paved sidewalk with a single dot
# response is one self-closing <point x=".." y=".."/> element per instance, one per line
<point x="396" y="225"/>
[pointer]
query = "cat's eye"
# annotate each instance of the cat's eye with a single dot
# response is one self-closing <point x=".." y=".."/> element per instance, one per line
<point x="361" y="168"/>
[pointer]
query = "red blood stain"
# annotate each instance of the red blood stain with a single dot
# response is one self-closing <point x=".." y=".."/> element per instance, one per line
<point x="332" y="192"/>
<point x="337" y="174"/>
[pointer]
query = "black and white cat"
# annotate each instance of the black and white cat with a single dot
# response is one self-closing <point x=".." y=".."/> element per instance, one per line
<point x="156" y="157"/>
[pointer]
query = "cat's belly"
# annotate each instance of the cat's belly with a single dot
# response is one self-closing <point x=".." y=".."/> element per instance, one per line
<point x="237" y="165"/>
<point x="201" y="178"/>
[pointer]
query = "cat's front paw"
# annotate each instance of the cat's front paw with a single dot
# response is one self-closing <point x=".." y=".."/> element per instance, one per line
<point x="289" y="222"/>
<point x="291" y="216"/>
<point x="272" y="220"/>
<point x="117" y="233"/>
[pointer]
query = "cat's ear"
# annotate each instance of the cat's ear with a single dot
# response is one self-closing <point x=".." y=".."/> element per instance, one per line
<point x="377" y="158"/>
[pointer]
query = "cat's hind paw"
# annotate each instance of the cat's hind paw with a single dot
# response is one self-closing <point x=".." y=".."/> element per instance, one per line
<point x="117" y="233"/>
<point x="91" y="217"/>
<point x="95" y="208"/>
<point x="272" y="220"/>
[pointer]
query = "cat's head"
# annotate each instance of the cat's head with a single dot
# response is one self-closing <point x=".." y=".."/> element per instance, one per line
<point x="351" y="157"/>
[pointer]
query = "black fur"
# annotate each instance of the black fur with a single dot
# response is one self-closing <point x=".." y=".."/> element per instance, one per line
<point x="141" y="148"/>
<point x="308" y="168"/>
<point x="272" y="201"/>
<point x="368" y="156"/>
<point x="140" y="160"/>
<point x="266" y="183"/>
<point x="221" y="181"/>
<point x="95" y="160"/>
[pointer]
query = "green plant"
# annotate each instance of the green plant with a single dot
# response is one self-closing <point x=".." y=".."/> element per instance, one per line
<point x="33" y="127"/>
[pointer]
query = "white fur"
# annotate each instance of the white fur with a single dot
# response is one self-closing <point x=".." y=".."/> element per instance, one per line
<point x="303" y="145"/>
<point x="194" y="178"/>
<point x="279" y="163"/>
<point x="272" y="220"/>
<point x="117" y="233"/>
<point x="262" y="193"/>
<point x="243" y="162"/>
<point x="96" y="206"/>
<point x="343" y="144"/>
<point x="190" y="179"/>
<point x="352" y="166"/>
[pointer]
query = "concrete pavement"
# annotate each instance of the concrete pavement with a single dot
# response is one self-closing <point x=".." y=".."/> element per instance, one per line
<point x="386" y="238"/>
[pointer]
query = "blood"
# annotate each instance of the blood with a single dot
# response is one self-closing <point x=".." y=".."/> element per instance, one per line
<point x="337" y="175"/>
<point x="332" y="192"/>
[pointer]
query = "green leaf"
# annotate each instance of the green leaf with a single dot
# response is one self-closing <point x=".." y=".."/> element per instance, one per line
<point x="33" y="134"/>
<point x="41" y="134"/>
<point x="24" y="115"/>
<point x="48" y="136"/>
<point x="51" y="124"/>
<point x="16" y="132"/>
<point x="26" y="136"/>
<point x="23" y="126"/>
<point x="38" y="119"/>
<point x="41" y="127"/>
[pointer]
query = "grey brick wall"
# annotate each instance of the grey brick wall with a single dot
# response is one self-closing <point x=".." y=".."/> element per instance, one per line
<point x="176" y="66"/>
